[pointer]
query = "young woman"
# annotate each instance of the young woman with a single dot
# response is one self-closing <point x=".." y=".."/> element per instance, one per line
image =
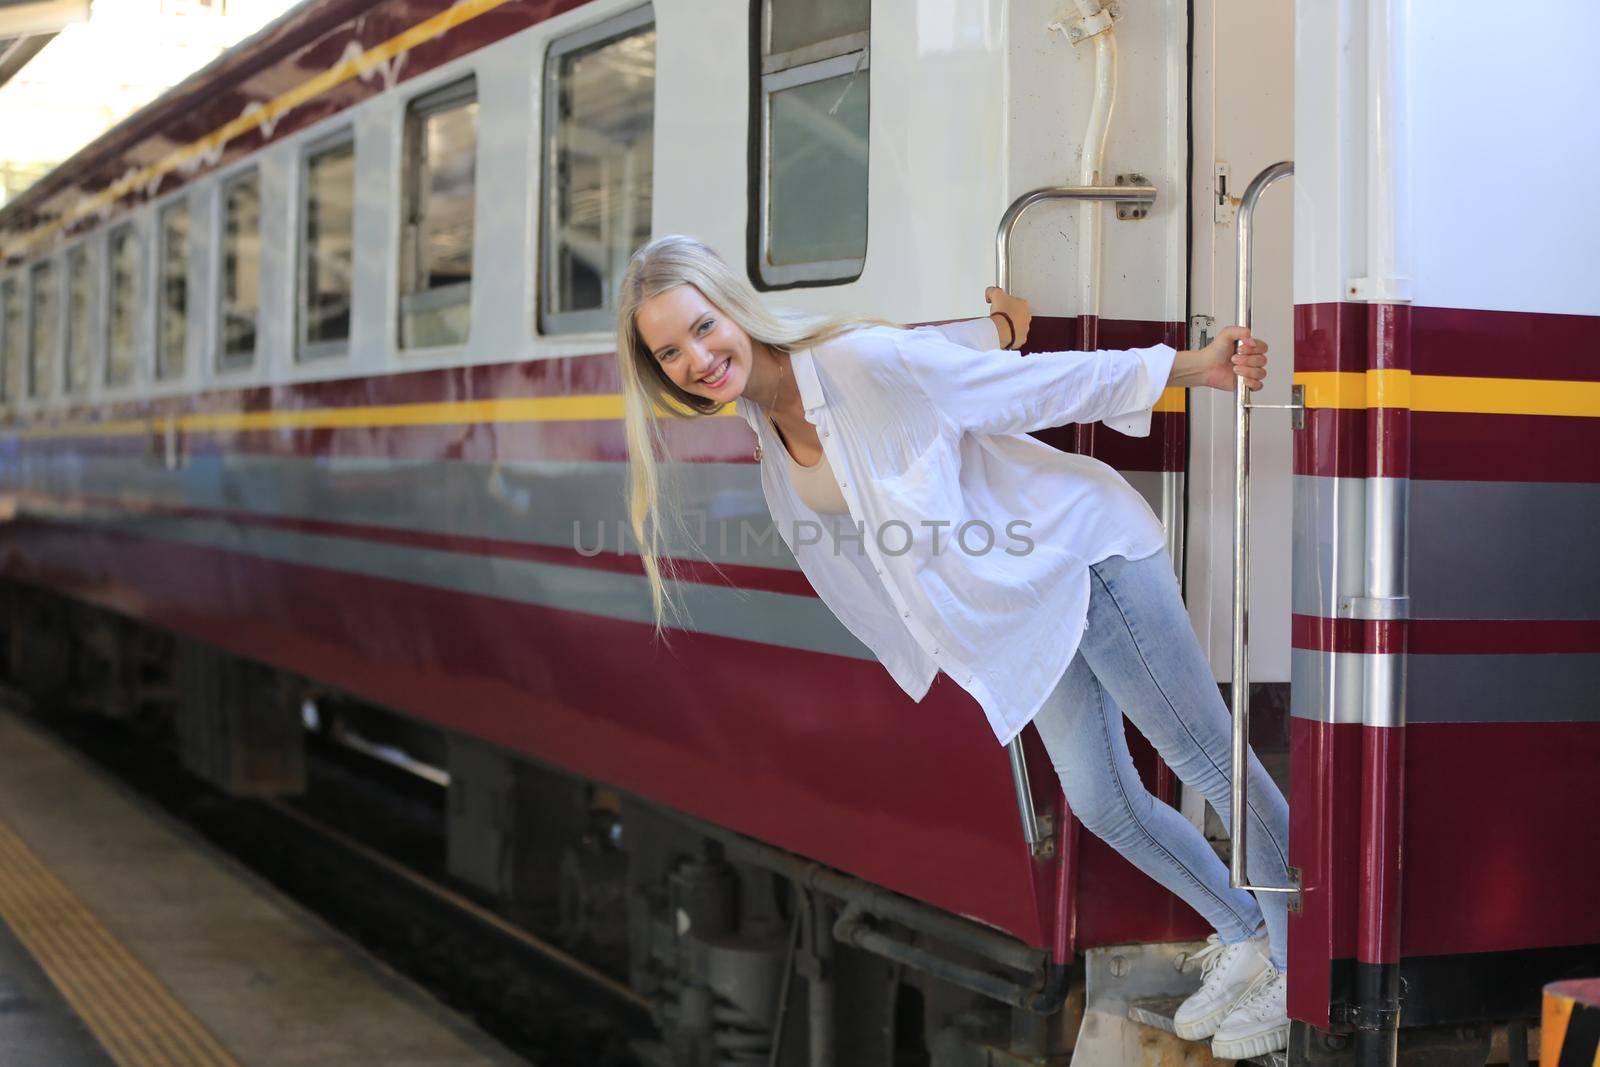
<point x="918" y="440"/>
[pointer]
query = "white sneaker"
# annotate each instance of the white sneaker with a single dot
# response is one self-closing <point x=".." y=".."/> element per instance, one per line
<point x="1227" y="972"/>
<point x="1259" y="1023"/>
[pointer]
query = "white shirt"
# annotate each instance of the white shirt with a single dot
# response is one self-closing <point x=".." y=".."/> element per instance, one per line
<point x="921" y="431"/>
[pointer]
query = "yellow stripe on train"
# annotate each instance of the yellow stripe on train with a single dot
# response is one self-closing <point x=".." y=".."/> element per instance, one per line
<point x="599" y="407"/>
<point x="1437" y="392"/>
<point x="1324" y="389"/>
<point x="455" y="412"/>
<point x="1171" y="400"/>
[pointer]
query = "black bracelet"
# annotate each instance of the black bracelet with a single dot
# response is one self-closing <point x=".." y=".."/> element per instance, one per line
<point x="1009" y="325"/>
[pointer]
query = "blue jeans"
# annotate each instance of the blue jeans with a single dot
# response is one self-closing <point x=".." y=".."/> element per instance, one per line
<point x="1140" y="656"/>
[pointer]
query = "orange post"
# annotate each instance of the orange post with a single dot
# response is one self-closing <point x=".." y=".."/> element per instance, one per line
<point x="1570" y="1034"/>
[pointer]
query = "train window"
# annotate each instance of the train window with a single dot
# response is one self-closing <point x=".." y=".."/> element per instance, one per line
<point x="122" y="305"/>
<point x="436" y="224"/>
<point x="80" y="308"/>
<point x="599" y="137"/>
<point x="327" y="249"/>
<point x="11" y="340"/>
<point x="812" y="203"/>
<point x="172" y="314"/>
<point x="241" y="270"/>
<point x="793" y="25"/>
<point x="42" y="329"/>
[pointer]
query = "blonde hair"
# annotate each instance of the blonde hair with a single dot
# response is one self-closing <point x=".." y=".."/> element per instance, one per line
<point x="665" y="263"/>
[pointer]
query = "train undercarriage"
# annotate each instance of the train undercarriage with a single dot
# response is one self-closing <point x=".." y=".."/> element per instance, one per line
<point x="747" y="954"/>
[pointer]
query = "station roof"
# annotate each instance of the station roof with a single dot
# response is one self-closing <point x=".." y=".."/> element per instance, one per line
<point x="26" y="26"/>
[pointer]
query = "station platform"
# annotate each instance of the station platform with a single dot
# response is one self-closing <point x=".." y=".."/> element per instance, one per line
<point x="127" y="940"/>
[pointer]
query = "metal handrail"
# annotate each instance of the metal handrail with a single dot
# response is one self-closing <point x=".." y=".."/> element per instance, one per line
<point x="1135" y="194"/>
<point x="1143" y="194"/>
<point x="1241" y="545"/>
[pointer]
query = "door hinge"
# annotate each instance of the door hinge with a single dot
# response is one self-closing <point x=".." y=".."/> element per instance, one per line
<point x="1046" y="848"/>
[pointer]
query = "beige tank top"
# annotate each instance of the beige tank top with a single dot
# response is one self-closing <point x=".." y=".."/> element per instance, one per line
<point x="816" y="484"/>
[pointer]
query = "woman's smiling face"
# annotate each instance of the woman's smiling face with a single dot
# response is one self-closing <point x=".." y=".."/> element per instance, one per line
<point x="698" y="348"/>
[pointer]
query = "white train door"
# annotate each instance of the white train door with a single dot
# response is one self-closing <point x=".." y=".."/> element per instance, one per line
<point x="1243" y="121"/>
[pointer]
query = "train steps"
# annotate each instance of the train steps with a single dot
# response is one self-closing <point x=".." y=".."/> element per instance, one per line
<point x="1158" y="1012"/>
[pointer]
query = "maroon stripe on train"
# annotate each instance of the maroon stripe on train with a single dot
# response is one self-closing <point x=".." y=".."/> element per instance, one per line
<point x="1440" y="637"/>
<point x="696" y="440"/>
<point x="1128" y="907"/>
<point x="305" y="42"/>
<point x="599" y="544"/>
<point x="1324" y="829"/>
<point x="1452" y="446"/>
<point x="177" y="109"/>
<point x="1456" y="342"/>
<point x="1469" y="343"/>
<point x="1383" y="806"/>
<point x="906" y="795"/>
<point x="701" y="441"/>
<point x="1330" y="337"/>
<point x="1333" y="443"/>
<point x="1491" y="636"/>
<point x="1140" y="333"/>
<point x="1461" y="446"/>
<point x="559" y="376"/>
<point x="1054" y="333"/>
<point x="1489" y="825"/>
<point x="1389" y="337"/>
<point x="1511" y="448"/>
<point x="601" y="441"/>
<point x="1319" y="634"/>
<point x="1494" y="826"/>
<point x="1389" y="453"/>
<point x="1445" y="445"/>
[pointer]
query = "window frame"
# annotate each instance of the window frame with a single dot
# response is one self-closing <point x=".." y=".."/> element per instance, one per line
<point x="108" y="268"/>
<point x="159" y="372"/>
<point x="806" y="65"/>
<point x="226" y="362"/>
<point x="12" y="285"/>
<point x="49" y="360"/>
<point x="86" y="249"/>
<point x="624" y="24"/>
<point x="308" y="352"/>
<point x="410" y="296"/>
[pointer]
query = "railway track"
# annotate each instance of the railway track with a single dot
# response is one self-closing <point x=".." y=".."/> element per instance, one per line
<point x="364" y="850"/>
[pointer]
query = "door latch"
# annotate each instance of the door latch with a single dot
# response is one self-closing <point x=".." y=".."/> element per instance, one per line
<point x="1227" y="207"/>
<point x="1296" y="407"/>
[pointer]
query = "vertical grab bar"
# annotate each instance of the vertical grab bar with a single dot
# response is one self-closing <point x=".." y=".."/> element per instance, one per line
<point x="1039" y="843"/>
<point x="1241" y="545"/>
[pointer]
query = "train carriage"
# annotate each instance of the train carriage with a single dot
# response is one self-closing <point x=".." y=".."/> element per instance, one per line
<point x="307" y="382"/>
